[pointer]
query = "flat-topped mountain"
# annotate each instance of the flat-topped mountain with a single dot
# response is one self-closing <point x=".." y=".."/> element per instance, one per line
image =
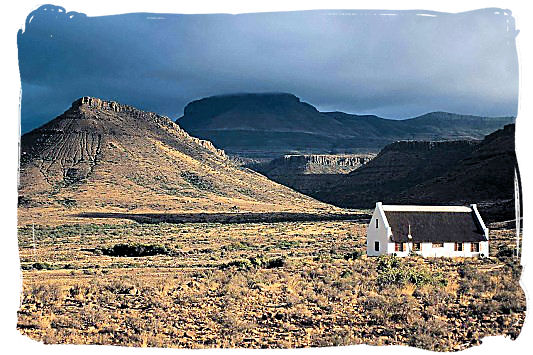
<point x="273" y="124"/>
<point x="105" y="156"/>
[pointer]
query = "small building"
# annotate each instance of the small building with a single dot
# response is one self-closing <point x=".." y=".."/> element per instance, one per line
<point x="451" y="231"/>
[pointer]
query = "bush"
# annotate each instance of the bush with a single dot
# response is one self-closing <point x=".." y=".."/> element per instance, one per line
<point x="275" y="262"/>
<point x="387" y="262"/>
<point x="135" y="250"/>
<point x="473" y="281"/>
<point x="241" y="264"/>
<point x="391" y="271"/>
<point x="509" y="302"/>
<point x="38" y="266"/>
<point x="506" y="252"/>
<point x="256" y="261"/>
<point x="353" y="255"/>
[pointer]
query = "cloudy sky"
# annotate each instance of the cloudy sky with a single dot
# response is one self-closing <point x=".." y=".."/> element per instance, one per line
<point x="392" y="64"/>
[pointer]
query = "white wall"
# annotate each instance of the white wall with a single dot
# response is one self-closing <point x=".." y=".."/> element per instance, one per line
<point x="380" y="234"/>
<point x="427" y="250"/>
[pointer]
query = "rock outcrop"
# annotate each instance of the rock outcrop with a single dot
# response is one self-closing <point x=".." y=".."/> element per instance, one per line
<point x="312" y="164"/>
<point x="309" y="173"/>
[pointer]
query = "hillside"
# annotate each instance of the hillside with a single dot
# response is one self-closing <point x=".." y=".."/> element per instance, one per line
<point x="485" y="176"/>
<point x="101" y="156"/>
<point x="417" y="172"/>
<point x="397" y="167"/>
<point x="273" y="124"/>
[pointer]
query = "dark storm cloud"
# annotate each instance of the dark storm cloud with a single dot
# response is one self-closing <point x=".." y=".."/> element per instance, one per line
<point x="394" y="64"/>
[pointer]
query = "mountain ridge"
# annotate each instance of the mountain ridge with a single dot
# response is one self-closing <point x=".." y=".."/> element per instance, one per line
<point x="268" y="125"/>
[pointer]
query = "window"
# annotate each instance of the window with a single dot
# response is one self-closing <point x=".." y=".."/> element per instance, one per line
<point x="458" y="246"/>
<point x="398" y="247"/>
<point x="438" y="245"/>
<point x="377" y="223"/>
<point x="416" y="246"/>
<point x="474" y="247"/>
<point x="376" y="246"/>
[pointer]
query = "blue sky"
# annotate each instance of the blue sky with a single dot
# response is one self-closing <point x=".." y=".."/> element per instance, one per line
<point x="393" y="64"/>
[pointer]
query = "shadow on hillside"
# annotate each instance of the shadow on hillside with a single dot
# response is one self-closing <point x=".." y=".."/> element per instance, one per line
<point x="226" y="218"/>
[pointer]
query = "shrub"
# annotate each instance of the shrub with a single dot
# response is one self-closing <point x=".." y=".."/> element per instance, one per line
<point x="242" y="264"/>
<point x="135" y="250"/>
<point x="473" y="281"/>
<point x="275" y="262"/>
<point x="353" y="255"/>
<point x="287" y="244"/>
<point x="391" y="271"/>
<point x="506" y="252"/>
<point x="387" y="262"/>
<point x="46" y="294"/>
<point x="509" y="302"/>
<point x="38" y="266"/>
<point x="241" y="245"/>
<point x="121" y="287"/>
<point x="255" y="261"/>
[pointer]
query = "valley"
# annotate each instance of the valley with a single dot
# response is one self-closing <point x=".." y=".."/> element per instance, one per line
<point x="132" y="232"/>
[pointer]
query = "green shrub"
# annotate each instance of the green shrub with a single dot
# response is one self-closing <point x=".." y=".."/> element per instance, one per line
<point x="241" y="264"/>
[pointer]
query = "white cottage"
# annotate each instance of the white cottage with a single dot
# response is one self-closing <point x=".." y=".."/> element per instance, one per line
<point x="451" y="231"/>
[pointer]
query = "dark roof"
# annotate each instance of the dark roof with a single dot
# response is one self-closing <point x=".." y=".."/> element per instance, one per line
<point x="435" y="226"/>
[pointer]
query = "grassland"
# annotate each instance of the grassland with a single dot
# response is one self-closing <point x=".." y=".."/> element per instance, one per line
<point x="257" y="285"/>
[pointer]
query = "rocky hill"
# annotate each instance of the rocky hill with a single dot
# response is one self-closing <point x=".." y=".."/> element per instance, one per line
<point x="273" y="124"/>
<point x="102" y="156"/>
<point x="417" y="172"/>
<point x="398" y="166"/>
<point x="485" y="176"/>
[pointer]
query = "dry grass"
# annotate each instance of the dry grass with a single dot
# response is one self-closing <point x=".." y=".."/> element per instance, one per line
<point x="210" y="290"/>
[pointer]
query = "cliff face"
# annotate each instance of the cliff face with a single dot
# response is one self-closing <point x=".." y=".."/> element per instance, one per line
<point x="312" y="164"/>
<point x="422" y="147"/>
<point x="310" y="173"/>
